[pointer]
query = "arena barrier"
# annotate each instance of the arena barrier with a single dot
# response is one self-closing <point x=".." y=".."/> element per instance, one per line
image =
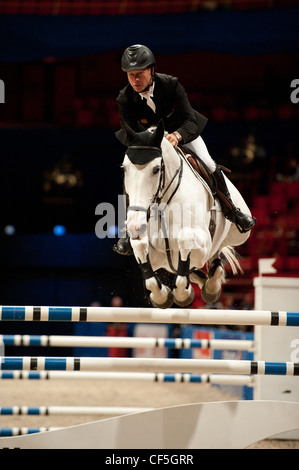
<point x="122" y="364"/>
<point x="214" y="379"/>
<point x="149" y="315"/>
<point x="212" y="425"/>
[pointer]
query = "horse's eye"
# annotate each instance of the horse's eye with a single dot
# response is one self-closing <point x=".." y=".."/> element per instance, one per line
<point x="156" y="170"/>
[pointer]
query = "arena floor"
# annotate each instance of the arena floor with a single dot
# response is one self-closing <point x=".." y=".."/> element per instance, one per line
<point x="108" y="393"/>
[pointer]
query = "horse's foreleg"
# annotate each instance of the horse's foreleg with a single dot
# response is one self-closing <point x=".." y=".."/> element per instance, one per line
<point x="211" y="289"/>
<point x="160" y="295"/>
<point x="183" y="292"/>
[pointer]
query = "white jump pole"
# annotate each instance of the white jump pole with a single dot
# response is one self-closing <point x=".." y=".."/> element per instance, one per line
<point x="70" y="410"/>
<point x="149" y="365"/>
<point x="215" y="379"/>
<point x="149" y="315"/>
<point x="124" y="342"/>
<point x="23" y="431"/>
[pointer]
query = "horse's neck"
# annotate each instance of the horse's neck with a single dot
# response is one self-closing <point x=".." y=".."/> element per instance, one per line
<point x="171" y="159"/>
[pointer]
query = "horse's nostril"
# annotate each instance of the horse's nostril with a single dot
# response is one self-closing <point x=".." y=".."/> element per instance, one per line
<point x="142" y="229"/>
<point x="136" y="230"/>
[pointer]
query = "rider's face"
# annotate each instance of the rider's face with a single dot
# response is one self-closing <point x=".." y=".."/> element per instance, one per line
<point x="140" y="79"/>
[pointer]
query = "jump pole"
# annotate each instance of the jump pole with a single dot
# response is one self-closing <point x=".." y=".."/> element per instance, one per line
<point x="150" y="365"/>
<point x="124" y="342"/>
<point x="70" y="410"/>
<point x="23" y="431"/>
<point x="214" y="379"/>
<point x="149" y="315"/>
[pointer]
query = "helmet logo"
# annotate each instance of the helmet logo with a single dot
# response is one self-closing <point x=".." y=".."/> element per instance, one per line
<point x="133" y="63"/>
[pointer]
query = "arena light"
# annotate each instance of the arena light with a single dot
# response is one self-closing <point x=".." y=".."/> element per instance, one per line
<point x="112" y="231"/>
<point x="59" y="230"/>
<point x="9" y="230"/>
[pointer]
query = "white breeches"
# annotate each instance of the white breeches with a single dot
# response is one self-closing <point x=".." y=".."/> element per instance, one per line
<point x="200" y="149"/>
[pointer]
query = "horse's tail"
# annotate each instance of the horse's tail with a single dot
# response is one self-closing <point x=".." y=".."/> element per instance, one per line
<point x="232" y="257"/>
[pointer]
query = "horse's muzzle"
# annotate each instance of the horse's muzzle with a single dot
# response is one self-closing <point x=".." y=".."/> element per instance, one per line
<point x="136" y="222"/>
<point x="136" y="231"/>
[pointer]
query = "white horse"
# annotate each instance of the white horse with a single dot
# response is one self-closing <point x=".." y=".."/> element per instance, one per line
<point x="169" y="218"/>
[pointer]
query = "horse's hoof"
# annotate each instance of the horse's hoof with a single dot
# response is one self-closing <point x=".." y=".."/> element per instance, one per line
<point x="167" y="304"/>
<point x="209" y="298"/>
<point x="186" y="302"/>
<point x="214" y="265"/>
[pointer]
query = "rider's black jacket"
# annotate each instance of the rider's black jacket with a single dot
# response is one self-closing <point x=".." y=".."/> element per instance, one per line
<point x="172" y="105"/>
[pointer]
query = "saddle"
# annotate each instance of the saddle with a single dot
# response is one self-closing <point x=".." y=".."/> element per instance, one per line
<point x="201" y="168"/>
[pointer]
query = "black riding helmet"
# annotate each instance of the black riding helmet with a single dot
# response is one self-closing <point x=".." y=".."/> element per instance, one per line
<point x="137" y="57"/>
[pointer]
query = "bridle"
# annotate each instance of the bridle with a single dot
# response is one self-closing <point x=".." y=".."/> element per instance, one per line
<point x="158" y="197"/>
<point x="161" y="190"/>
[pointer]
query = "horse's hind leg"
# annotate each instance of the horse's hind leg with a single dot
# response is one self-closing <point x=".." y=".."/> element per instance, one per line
<point x="211" y="290"/>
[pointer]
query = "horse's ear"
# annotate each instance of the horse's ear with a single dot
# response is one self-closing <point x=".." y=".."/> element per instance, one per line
<point x="159" y="133"/>
<point x="128" y="131"/>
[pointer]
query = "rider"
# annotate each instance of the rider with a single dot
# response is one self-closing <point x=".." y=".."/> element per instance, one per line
<point x="151" y="96"/>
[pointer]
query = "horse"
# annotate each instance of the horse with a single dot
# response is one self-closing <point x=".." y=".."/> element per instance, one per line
<point x="175" y="222"/>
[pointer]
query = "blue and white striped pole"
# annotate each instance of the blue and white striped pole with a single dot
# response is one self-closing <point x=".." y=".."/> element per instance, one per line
<point x="10" y="432"/>
<point x="70" y="410"/>
<point x="125" y="342"/>
<point x="219" y="379"/>
<point x="149" y="315"/>
<point x="149" y="365"/>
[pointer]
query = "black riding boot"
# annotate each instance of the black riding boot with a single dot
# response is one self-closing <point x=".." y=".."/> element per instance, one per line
<point x="123" y="246"/>
<point x="243" y="222"/>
